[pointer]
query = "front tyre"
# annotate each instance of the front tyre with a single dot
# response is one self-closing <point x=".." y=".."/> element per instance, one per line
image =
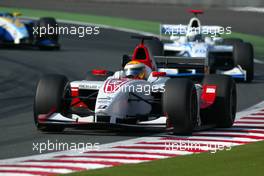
<point x="180" y="105"/>
<point x="244" y="56"/>
<point x="48" y="40"/>
<point x="223" y="112"/>
<point x="49" y="99"/>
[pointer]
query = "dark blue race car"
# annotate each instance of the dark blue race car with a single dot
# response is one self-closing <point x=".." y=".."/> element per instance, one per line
<point x="17" y="31"/>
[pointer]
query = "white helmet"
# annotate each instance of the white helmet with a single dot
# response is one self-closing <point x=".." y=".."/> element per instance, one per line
<point x="135" y="69"/>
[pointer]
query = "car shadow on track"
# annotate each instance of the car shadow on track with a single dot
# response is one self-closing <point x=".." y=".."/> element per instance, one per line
<point x="125" y="132"/>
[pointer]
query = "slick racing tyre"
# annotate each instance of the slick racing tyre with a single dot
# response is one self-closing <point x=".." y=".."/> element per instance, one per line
<point x="222" y="113"/>
<point x="49" y="99"/>
<point x="155" y="46"/>
<point x="243" y="56"/>
<point x="180" y="104"/>
<point x="48" y="24"/>
<point x="98" y="76"/>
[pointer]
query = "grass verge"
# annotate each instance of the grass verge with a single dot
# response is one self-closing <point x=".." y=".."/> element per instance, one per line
<point x="140" y="25"/>
<point x="243" y="161"/>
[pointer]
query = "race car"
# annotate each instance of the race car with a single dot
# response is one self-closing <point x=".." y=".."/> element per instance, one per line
<point x="138" y="95"/>
<point x="16" y="31"/>
<point x="196" y="40"/>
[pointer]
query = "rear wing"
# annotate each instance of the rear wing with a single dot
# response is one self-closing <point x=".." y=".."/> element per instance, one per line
<point x="183" y="63"/>
<point x="172" y="30"/>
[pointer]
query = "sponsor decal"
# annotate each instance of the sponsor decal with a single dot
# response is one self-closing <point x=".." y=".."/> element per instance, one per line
<point x="89" y="86"/>
<point x="112" y="85"/>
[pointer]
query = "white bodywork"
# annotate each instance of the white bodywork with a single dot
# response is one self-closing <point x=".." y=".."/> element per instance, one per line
<point x="184" y="44"/>
<point x="195" y="48"/>
<point x="114" y="99"/>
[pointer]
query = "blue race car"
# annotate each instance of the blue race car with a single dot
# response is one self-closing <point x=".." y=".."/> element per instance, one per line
<point x="17" y="31"/>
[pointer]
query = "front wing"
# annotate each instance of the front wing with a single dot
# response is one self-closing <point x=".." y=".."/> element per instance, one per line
<point x="91" y="121"/>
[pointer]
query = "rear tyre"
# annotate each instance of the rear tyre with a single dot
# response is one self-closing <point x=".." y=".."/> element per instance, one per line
<point x="155" y="46"/>
<point x="180" y="105"/>
<point x="98" y="77"/>
<point x="243" y="55"/>
<point x="49" y="40"/>
<point x="49" y="99"/>
<point x="223" y="111"/>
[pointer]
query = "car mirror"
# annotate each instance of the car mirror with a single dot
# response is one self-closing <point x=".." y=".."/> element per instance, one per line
<point x="125" y="60"/>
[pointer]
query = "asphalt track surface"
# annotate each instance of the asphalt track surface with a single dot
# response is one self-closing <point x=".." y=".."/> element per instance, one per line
<point x="20" y="68"/>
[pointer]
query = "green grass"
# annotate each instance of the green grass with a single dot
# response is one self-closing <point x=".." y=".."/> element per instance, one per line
<point x="140" y="25"/>
<point x="244" y="160"/>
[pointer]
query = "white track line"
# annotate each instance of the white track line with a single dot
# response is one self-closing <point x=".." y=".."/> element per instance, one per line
<point x="100" y="25"/>
<point x="120" y="155"/>
<point x="61" y="171"/>
<point x="250" y="119"/>
<point x="248" y="9"/>
<point x="257" y="61"/>
<point x="13" y="174"/>
<point x="77" y="165"/>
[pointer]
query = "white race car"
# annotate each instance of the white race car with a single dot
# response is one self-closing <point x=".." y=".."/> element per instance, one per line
<point x="138" y="95"/>
<point x="235" y="57"/>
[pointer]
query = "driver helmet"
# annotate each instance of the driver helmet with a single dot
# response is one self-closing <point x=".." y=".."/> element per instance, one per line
<point x="193" y="35"/>
<point x="135" y="70"/>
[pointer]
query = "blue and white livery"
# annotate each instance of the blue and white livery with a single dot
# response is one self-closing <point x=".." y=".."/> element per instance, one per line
<point x="16" y="31"/>
<point x="197" y="41"/>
